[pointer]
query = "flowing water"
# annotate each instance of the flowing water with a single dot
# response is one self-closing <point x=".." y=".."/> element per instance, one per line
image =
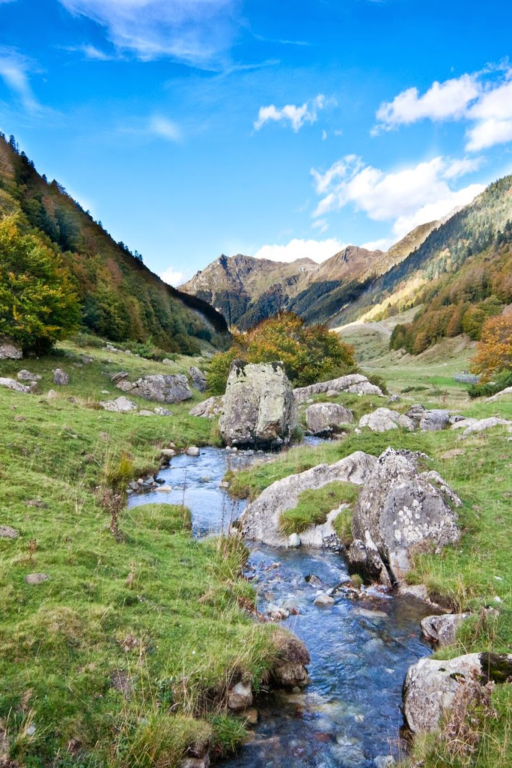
<point x="360" y="649"/>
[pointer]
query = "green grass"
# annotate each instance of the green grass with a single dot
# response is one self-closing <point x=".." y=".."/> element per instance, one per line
<point x="122" y="657"/>
<point x="314" y="506"/>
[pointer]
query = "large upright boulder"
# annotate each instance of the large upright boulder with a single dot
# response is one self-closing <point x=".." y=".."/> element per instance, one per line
<point x="322" y="418"/>
<point x="259" y="407"/>
<point x="159" y="387"/>
<point x="401" y="510"/>
<point x="198" y="378"/>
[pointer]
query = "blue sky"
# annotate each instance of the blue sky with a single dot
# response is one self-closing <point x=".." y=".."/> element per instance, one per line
<point x="281" y="129"/>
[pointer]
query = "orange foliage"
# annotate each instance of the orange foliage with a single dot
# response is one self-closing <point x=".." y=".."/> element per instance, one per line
<point x="494" y="351"/>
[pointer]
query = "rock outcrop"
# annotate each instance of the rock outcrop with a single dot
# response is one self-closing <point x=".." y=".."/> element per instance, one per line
<point x="384" y="419"/>
<point x="260" y="519"/>
<point x="322" y="418"/>
<point x="169" y="388"/>
<point x="431" y="686"/>
<point x="471" y="426"/>
<point x="354" y="383"/>
<point x="442" y="630"/>
<point x="15" y="385"/>
<point x="198" y="378"/>
<point x="400" y="510"/>
<point x="208" y="409"/>
<point x="435" y="420"/>
<point x="259" y="408"/>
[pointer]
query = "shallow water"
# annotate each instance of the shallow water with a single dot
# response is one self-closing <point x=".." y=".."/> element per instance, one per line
<point x="360" y="649"/>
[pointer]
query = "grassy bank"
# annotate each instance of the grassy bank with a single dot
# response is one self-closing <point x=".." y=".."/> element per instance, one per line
<point x="122" y="656"/>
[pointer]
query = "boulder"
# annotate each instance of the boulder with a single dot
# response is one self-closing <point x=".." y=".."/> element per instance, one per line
<point x="472" y="426"/>
<point x="384" y="419"/>
<point x="431" y="686"/>
<point x="506" y="391"/>
<point x="260" y="519"/>
<point x="401" y="510"/>
<point x="292" y="657"/>
<point x="442" y="630"/>
<point x="15" y="385"/>
<point x="208" y="409"/>
<point x="354" y="383"/>
<point x="198" y="378"/>
<point x="416" y="413"/>
<point x="119" y="405"/>
<point x="60" y="377"/>
<point x="9" y="351"/>
<point x="119" y="376"/>
<point x="162" y="411"/>
<point x="193" y="450"/>
<point x="25" y="375"/>
<point x="259" y="407"/>
<point x="324" y="601"/>
<point x="172" y="388"/>
<point x="433" y="421"/>
<point x="322" y="418"/>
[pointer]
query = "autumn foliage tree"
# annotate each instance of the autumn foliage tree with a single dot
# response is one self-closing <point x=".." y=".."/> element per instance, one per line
<point x="38" y="301"/>
<point x="494" y="351"/>
<point x="309" y="353"/>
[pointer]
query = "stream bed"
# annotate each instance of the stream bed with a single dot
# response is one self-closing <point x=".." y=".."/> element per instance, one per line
<point x="349" y="714"/>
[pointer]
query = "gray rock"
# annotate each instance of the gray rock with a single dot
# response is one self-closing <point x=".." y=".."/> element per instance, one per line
<point x="198" y="378"/>
<point x="416" y="413"/>
<point x="294" y="541"/>
<point x="324" y="417"/>
<point x="25" y="375"/>
<point x="259" y="407"/>
<point x="119" y="376"/>
<point x="354" y="383"/>
<point x="167" y="453"/>
<point x="364" y="558"/>
<point x="15" y="385"/>
<point x="292" y="657"/>
<point x="506" y="391"/>
<point x="119" y="405"/>
<point x="208" y="409"/>
<point x="472" y="426"/>
<point x="144" y="412"/>
<point x="384" y="419"/>
<point x="400" y="509"/>
<point x="384" y="761"/>
<point x="60" y="377"/>
<point x="196" y="762"/>
<point x="6" y="532"/>
<point x="36" y="578"/>
<point x="433" y="421"/>
<point x="442" y="630"/>
<point x="162" y="411"/>
<point x="240" y="697"/>
<point x="9" y="351"/>
<point x="260" y="519"/>
<point x="173" y="388"/>
<point x="193" y="450"/>
<point x="324" y="601"/>
<point x="51" y="394"/>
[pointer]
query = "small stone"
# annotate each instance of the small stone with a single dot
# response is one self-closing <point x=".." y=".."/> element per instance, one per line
<point x="6" y="532"/>
<point x="240" y="697"/>
<point x="384" y="761"/>
<point x="164" y="488"/>
<point x="36" y="578"/>
<point x="324" y="601"/>
<point x="19" y="418"/>
<point x="144" y="412"/>
<point x="294" y="541"/>
<point x="251" y="716"/>
<point x="167" y="453"/>
<point x="51" y="394"/>
<point x="313" y="580"/>
<point x="25" y="375"/>
<point x="193" y="450"/>
<point x="163" y="411"/>
<point x="60" y="377"/>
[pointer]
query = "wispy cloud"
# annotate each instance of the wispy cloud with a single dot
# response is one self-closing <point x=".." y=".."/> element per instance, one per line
<point x="174" y="277"/>
<point x="14" y="71"/>
<point x="296" y="116"/>
<point x="408" y="197"/>
<point x="156" y="126"/>
<point x="317" y="250"/>
<point x="196" y="32"/>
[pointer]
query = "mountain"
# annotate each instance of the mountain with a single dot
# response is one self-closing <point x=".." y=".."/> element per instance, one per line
<point x="121" y="298"/>
<point x="247" y="290"/>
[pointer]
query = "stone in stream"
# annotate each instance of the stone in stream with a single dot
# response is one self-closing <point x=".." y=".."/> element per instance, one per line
<point x="324" y="601"/>
<point x="193" y="450"/>
<point x="240" y="697"/>
<point x="60" y="377"/>
<point x="294" y="540"/>
<point x="259" y="407"/>
<point x="322" y="418"/>
<point x="292" y="657"/>
<point x="158" y="387"/>
<point x="401" y="509"/>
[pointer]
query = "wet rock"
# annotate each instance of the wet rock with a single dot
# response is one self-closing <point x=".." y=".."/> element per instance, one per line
<point x="442" y="630"/>
<point x="196" y="762"/>
<point x="9" y="351"/>
<point x="119" y="405"/>
<point x="354" y="383"/>
<point x="198" y="378"/>
<point x="313" y="580"/>
<point x="240" y="697"/>
<point x="433" y="421"/>
<point x="324" y="601"/>
<point x="6" y="532"/>
<point x="193" y="450"/>
<point x="159" y="388"/>
<point x="251" y="716"/>
<point x="167" y="454"/>
<point x="60" y="377"/>
<point x="25" y="375"/>
<point x="325" y="417"/>
<point x="260" y="519"/>
<point x="294" y="541"/>
<point x="15" y="385"/>
<point x="208" y="409"/>
<point x="384" y="761"/>
<point x="259" y="407"/>
<point x="400" y="509"/>
<point x="36" y="578"/>
<point x="384" y="419"/>
<point x="364" y="559"/>
<point x="289" y="669"/>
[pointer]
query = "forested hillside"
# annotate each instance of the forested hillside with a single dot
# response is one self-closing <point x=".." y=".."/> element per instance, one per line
<point x="120" y="298"/>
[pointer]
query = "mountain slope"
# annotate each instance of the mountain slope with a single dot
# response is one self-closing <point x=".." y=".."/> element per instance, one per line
<point x="121" y="298"/>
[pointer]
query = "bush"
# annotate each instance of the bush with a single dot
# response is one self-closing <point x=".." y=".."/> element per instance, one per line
<point x="38" y="301"/>
<point x="309" y="353"/>
<point x="489" y="388"/>
<point x="494" y="352"/>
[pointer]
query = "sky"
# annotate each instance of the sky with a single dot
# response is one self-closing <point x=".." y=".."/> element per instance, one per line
<point x="192" y="128"/>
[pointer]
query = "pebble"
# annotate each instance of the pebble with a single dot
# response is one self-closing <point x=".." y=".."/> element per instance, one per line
<point x="36" y="578"/>
<point x="193" y="450"/>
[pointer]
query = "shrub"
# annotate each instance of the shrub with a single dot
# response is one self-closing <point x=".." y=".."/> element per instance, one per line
<point x="494" y="352"/>
<point x="38" y="301"/>
<point x="489" y="388"/>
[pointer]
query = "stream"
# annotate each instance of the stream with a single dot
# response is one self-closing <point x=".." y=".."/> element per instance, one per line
<point x="349" y="714"/>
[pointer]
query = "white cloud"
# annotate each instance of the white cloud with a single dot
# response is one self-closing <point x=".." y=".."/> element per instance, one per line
<point x="296" y="116"/>
<point x="317" y="250"/>
<point x="488" y="134"/>
<point x="379" y="245"/>
<point x="164" y="128"/>
<point x="442" y="101"/>
<point x="173" y="276"/>
<point x="14" y="71"/>
<point x="196" y="32"/>
<point x="407" y="197"/>
<point x="321" y="224"/>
